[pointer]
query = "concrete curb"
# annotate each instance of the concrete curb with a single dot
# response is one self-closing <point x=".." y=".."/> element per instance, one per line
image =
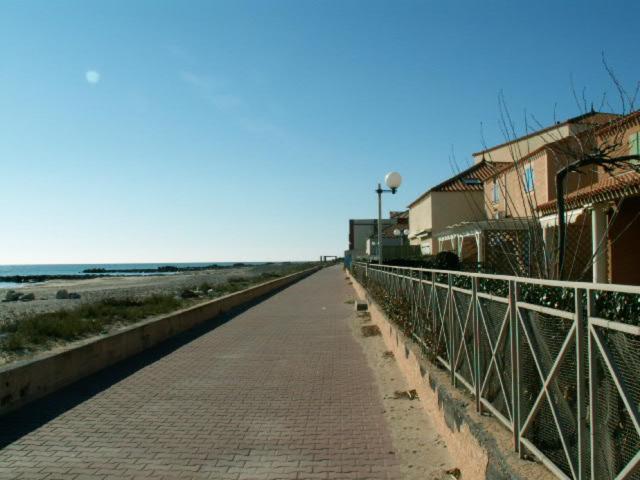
<point x="24" y="381"/>
<point x="482" y="447"/>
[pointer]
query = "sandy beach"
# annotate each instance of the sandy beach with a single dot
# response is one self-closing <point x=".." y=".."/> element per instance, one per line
<point x="122" y="287"/>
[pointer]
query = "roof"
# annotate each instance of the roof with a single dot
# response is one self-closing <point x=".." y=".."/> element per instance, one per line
<point x="611" y="187"/>
<point x="402" y="214"/>
<point x="368" y="221"/>
<point x="569" y="121"/>
<point x="619" y="123"/>
<point x="403" y="223"/>
<point x="606" y="129"/>
<point x="469" y="180"/>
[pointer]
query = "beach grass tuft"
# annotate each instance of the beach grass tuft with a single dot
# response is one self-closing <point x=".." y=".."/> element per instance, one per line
<point x="27" y="333"/>
<point x="83" y="321"/>
<point x="238" y="279"/>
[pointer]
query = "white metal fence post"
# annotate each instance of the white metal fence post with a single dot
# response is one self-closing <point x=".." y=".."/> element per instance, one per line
<point x="581" y="356"/>
<point x="514" y="340"/>
<point x="476" y="340"/>
<point x="449" y="319"/>
<point x="418" y="305"/>
<point x="434" y="312"/>
<point x="593" y="382"/>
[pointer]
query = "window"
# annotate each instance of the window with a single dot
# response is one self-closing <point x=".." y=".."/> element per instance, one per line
<point x="496" y="192"/>
<point x="634" y="144"/>
<point x="528" y="179"/>
<point x="471" y="181"/>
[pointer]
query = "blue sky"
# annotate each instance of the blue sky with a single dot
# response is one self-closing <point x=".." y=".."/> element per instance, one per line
<point x="253" y="130"/>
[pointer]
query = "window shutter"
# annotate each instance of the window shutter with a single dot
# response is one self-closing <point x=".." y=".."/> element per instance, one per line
<point x="528" y="179"/>
<point x="634" y="144"/>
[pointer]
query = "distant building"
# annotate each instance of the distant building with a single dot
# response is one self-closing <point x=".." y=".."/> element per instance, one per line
<point x="389" y="238"/>
<point x="360" y="231"/>
<point x="457" y="199"/>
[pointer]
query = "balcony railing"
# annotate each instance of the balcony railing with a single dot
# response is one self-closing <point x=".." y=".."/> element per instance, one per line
<point x="557" y="363"/>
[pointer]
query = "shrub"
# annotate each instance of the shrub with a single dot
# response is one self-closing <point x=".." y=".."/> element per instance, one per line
<point x="14" y="343"/>
<point x="446" y="261"/>
<point x="85" y="320"/>
<point x="188" y="293"/>
<point x="622" y="307"/>
<point x="441" y="261"/>
<point x="237" y="279"/>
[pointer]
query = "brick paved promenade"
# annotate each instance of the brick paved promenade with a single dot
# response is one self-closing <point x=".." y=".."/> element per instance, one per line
<point x="282" y="390"/>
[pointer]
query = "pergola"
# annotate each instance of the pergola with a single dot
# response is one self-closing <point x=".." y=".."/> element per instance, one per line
<point x="474" y="241"/>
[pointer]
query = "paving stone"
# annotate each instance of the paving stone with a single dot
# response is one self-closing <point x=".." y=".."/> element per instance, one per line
<point x="282" y="390"/>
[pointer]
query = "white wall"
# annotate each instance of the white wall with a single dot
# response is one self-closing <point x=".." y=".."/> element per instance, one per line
<point x="439" y="210"/>
<point x="419" y="218"/>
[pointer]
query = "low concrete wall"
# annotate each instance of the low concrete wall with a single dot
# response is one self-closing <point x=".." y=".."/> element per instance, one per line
<point x="25" y="381"/>
<point x="481" y="447"/>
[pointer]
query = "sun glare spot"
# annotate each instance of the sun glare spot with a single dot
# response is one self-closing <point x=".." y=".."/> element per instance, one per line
<point x="92" y="76"/>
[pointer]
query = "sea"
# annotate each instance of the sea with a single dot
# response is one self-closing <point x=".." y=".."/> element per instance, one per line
<point x="78" y="269"/>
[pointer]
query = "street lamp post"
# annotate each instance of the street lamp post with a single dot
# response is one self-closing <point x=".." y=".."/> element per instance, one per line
<point x="398" y="233"/>
<point x="401" y="233"/>
<point x="393" y="181"/>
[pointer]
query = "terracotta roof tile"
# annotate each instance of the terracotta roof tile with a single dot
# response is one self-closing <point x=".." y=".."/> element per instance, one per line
<point x="469" y="180"/>
<point x="573" y="120"/>
<point x="619" y="123"/>
<point x="480" y="172"/>
<point x="609" y="188"/>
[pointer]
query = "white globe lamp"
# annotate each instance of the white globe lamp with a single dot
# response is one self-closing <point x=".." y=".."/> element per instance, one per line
<point x="393" y="180"/>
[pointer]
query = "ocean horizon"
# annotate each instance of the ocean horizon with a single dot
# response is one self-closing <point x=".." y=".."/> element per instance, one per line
<point x="78" y="269"/>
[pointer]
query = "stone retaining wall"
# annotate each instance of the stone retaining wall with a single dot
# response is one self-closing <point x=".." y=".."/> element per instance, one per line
<point x="28" y="380"/>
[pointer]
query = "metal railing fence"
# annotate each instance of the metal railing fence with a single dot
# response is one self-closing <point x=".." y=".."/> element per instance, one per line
<point x="555" y="362"/>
